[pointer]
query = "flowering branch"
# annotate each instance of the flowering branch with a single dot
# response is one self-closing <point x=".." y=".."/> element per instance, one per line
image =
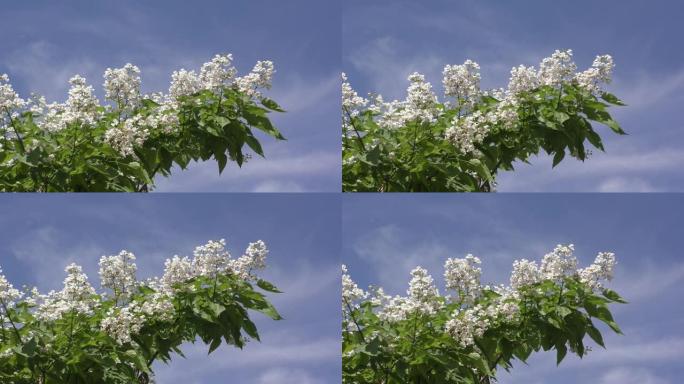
<point x="465" y="338"/>
<point x="121" y="145"/>
<point x="116" y="335"/>
<point x="473" y="133"/>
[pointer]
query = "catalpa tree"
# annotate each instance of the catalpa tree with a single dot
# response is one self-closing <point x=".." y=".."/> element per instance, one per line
<point x="463" y="142"/>
<point x="80" y="335"/>
<point x="124" y="144"/>
<point x="468" y="336"/>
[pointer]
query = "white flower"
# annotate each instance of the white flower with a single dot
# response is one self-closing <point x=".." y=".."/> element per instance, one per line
<point x="125" y="137"/>
<point x="556" y="69"/>
<point x="351" y="101"/>
<point x="525" y="273"/>
<point x="9" y="99"/>
<point x="600" y="73"/>
<point x="75" y="297"/>
<point x="350" y="291"/>
<point x="211" y="259"/>
<point x="122" y="85"/>
<point x="465" y="133"/>
<point x="8" y="294"/>
<point x="177" y="270"/>
<point x="463" y="276"/>
<point x="259" y="77"/>
<point x="218" y="72"/>
<point x="118" y="274"/>
<point x="422" y="293"/>
<point x="254" y="258"/>
<point x="123" y="323"/>
<point x="523" y="79"/>
<point x="601" y="269"/>
<point x="559" y="263"/>
<point x="82" y="105"/>
<point x="465" y="326"/>
<point x="184" y="83"/>
<point x="462" y="82"/>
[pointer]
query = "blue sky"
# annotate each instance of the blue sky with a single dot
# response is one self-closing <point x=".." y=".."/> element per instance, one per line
<point x="385" y="237"/>
<point x="385" y="40"/>
<point x="45" y="43"/>
<point x="40" y="235"/>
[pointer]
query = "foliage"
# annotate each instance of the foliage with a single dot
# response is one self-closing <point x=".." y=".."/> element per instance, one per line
<point x="124" y="146"/>
<point x="116" y="338"/>
<point x="462" y="145"/>
<point x="449" y="339"/>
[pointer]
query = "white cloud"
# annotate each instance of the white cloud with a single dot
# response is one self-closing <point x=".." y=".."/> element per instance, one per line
<point x="620" y="184"/>
<point x="204" y="176"/>
<point x="278" y="186"/>
<point x="296" y="94"/>
<point x="631" y="375"/>
<point x="288" y="375"/>
<point x="283" y="348"/>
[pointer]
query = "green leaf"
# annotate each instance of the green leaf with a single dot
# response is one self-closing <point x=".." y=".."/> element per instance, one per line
<point x="266" y="286"/>
<point x="254" y="144"/>
<point x="272" y="105"/>
<point x="612" y="99"/>
<point x="561" y="351"/>
<point x="612" y="295"/>
<point x="595" y="335"/>
<point x="558" y="157"/>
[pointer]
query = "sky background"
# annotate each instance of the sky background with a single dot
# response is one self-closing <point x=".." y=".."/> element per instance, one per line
<point x="47" y="42"/>
<point x="385" y="40"/>
<point x="385" y="237"/>
<point x="40" y="235"/>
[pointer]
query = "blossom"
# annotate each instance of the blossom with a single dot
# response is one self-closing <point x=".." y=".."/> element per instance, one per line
<point x="82" y="105"/>
<point x="259" y="77"/>
<point x="599" y="73"/>
<point x="9" y="99"/>
<point x="525" y="273"/>
<point x="422" y="293"/>
<point x="177" y="270"/>
<point x="558" y="68"/>
<point x="254" y="258"/>
<point x="559" y="263"/>
<point x="122" y="85"/>
<point x="8" y="294"/>
<point x="118" y="274"/>
<point x="125" y="136"/>
<point x="211" y="259"/>
<point x="75" y="297"/>
<point x="462" y="82"/>
<point x="218" y="72"/>
<point x="465" y="133"/>
<point x="463" y="276"/>
<point x="601" y="269"/>
<point x="523" y="79"/>
<point x="351" y="101"/>
<point x="465" y="326"/>
<point x="184" y="83"/>
<point x="350" y="291"/>
<point x="123" y="323"/>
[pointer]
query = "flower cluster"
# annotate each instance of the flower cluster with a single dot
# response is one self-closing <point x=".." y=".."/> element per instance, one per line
<point x="118" y="274"/>
<point x="477" y="307"/>
<point x="76" y="297"/>
<point x="463" y="276"/>
<point x="122" y="86"/>
<point x="462" y="82"/>
<point x="8" y="294"/>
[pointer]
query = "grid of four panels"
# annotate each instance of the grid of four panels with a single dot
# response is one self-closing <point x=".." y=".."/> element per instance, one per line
<point x="484" y="203"/>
